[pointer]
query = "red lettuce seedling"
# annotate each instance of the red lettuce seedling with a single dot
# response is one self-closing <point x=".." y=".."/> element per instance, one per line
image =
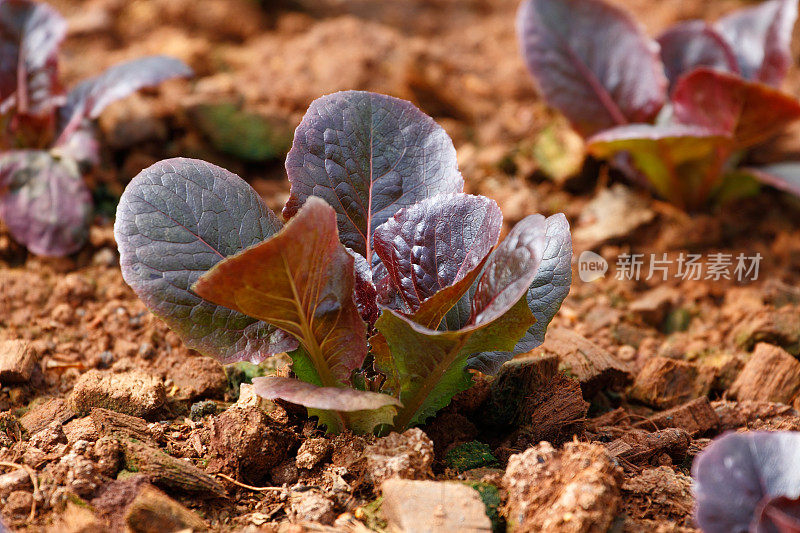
<point x="385" y="285"/>
<point x="47" y="137"/>
<point x="678" y="111"/>
<point x="749" y="482"/>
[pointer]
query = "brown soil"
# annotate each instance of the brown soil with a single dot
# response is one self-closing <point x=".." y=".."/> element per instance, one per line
<point x="651" y="347"/>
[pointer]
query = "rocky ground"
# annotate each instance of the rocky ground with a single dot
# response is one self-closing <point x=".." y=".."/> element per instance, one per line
<point x="107" y="422"/>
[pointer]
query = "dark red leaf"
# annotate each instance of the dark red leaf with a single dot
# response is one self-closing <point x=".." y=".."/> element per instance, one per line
<point x="781" y="515"/>
<point x="300" y="280"/>
<point x="30" y="34"/>
<point x="750" y="112"/>
<point x="364" y="293"/>
<point x="761" y="38"/>
<point x="176" y="220"/>
<point x="546" y="292"/>
<point x="435" y="244"/>
<point x="44" y="202"/>
<point x="693" y="44"/>
<point x="741" y="473"/>
<point x="592" y="62"/>
<point x="368" y="155"/>
<point x="88" y="99"/>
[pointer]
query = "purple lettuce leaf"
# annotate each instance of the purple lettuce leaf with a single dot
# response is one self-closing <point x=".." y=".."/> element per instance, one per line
<point x="82" y="146"/>
<point x="30" y="35"/>
<point x="691" y="44"/>
<point x="783" y="176"/>
<point x="44" y="202"/>
<point x="175" y="221"/>
<point x="547" y="291"/>
<point x="683" y="163"/>
<point x="368" y="155"/>
<point x="777" y="515"/>
<point x="592" y="62"/>
<point x="359" y="411"/>
<point x="426" y="367"/>
<point x="741" y="475"/>
<point x="301" y="279"/>
<point x="365" y="293"/>
<point x="761" y="38"/>
<point x="750" y="112"/>
<point x="434" y="245"/>
<point x="88" y="99"/>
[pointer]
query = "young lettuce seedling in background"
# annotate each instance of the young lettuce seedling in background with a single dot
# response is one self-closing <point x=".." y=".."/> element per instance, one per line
<point x="676" y="113"/>
<point x="386" y="285"/>
<point x="749" y="482"/>
<point x="47" y="137"/>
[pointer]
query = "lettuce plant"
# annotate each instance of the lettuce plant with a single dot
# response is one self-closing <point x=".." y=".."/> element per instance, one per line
<point x="47" y="137"/>
<point x="749" y="482"/>
<point x="676" y="113"/>
<point x="386" y="285"/>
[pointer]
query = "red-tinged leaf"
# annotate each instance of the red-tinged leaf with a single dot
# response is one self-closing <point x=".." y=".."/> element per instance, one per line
<point x="30" y="34"/>
<point x="425" y="367"/>
<point x="779" y="514"/>
<point x="365" y="294"/>
<point x="368" y="155"/>
<point x="300" y="280"/>
<point x="783" y="176"/>
<point x="176" y="220"/>
<point x="740" y="475"/>
<point x="82" y="146"/>
<point x="44" y="202"/>
<point x="337" y="408"/>
<point x="752" y="112"/>
<point x="547" y="291"/>
<point x="761" y="38"/>
<point x="682" y="163"/>
<point x="592" y="62"/>
<point x="88" y="99"/>
<point x="437" y="244"/>
<point x="692" y="44"/>
<point x="329" y="398"/>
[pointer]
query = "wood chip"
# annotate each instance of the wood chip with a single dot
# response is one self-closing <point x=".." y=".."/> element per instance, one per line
<point x="638" y="447"/>
<point x="770" y="375"/>
<point x="122" y="426"/>
<point x="596" y="369"/>
<point x="665" y="383"/>
<point x="166" y="471"/>
<point x="52" y="410"/>
<point x="695" y="417"/>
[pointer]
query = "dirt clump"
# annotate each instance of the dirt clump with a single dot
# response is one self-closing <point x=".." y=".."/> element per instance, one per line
<point x="407" y="455"/>
<point x="576" y="489"/>
<point x="134" y="393"/>
<point x="312" y="452"/>
<point x="17" y="361"/>
<point x="311" y="506"/>
<point x="245" y="443"/>
<point x="433" y="506"/>
<point x="199" y="377"/>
